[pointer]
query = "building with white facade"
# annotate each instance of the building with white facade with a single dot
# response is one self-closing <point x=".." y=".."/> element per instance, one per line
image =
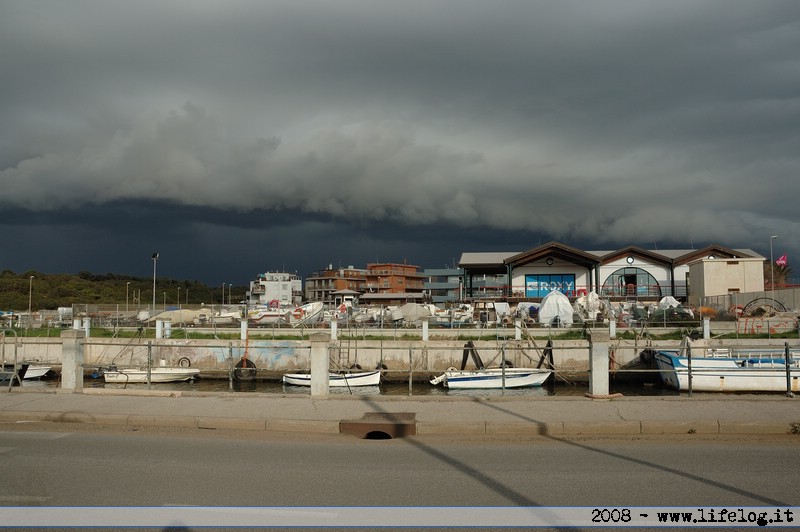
<point x="628" y="273"/>
<point x="276" y="289"/>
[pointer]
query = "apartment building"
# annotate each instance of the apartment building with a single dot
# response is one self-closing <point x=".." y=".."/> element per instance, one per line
<point x="322" y="285"/>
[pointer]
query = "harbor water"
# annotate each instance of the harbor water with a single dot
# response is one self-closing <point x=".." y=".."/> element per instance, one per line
<point x="396" y="388"/>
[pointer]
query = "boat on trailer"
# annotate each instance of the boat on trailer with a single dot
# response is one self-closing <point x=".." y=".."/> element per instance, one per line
<point x="742" y="372"/>
<point x="337" y="380"/>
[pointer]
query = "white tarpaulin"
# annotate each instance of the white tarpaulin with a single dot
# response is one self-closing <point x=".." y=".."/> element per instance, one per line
<point x="589" y="306"/>
<point x="555" y="310"/>
<point x="668" y="302"/>
<point x="411" y="313"/>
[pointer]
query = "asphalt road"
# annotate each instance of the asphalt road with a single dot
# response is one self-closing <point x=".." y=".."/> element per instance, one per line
<point x="88" y="465"/>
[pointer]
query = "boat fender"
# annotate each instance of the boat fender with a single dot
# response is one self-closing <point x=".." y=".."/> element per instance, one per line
<point x="452" y="368"/>
<point x="381" y="366"/>
<point x="184" y="362"/>
<point x="355" y="366"/>
<point x="245" y="370"/>
<point x="507" y="363"/>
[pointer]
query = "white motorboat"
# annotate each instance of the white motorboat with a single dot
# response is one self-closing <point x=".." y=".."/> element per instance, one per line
<point x="268" y="315"/>
<point x="157" y="374"/>
<point x="748" y="373"/>
<point x="492" y="378"/>
<point x="36" y="372"/>
<point x="337" y="380"/>
<point x="307" y="314"/>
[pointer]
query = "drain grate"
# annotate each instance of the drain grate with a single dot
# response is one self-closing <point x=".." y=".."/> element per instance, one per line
<point x="381" y="425"/>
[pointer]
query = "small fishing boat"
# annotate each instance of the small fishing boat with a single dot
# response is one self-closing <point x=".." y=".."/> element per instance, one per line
<point x="337" y="380"/>
<point x="36" y="372"/>
<point x="733" y="373"/>
<point x="487" y="378"/>
<point x="157" y="374"/>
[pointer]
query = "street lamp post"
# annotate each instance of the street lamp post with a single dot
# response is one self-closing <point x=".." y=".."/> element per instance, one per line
<point x="155" y="259"/>
<point x="127" y="291"/>
<point x="179" y="297"/>
<point x="223" y="294"/>
<point x="772" y="267"/>
<point x="30" y="300"/>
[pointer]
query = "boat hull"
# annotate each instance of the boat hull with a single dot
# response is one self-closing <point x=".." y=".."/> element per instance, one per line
<point x="493" y="378"/>
<point x="159" y="374"/>
<point x="36" y="372"/>
<point x="724" y="374"/>
<point x="337" y="380"/>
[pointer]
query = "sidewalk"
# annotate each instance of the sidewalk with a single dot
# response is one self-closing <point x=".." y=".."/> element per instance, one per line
<point x="557" y="416"/>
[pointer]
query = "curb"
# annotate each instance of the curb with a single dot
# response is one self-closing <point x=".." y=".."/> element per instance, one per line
<point x="561" y="428"/>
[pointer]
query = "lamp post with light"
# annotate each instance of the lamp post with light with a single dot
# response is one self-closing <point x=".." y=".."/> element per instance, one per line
<point x="127" y="291"/>
<point x="30" y="300"/>
<point x="155" y="259"/>
<point x="772" y="267"/>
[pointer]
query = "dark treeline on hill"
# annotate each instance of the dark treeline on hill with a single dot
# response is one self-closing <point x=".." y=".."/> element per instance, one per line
<point x="50" y="291"/>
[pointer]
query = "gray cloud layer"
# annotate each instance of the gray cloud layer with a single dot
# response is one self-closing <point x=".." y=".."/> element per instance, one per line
<point x="615" y="121"/>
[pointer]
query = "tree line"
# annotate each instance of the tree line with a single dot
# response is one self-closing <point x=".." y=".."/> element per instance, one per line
<point x="50" y="291"/>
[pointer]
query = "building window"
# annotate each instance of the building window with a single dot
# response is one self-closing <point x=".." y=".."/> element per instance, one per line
<point x="630" y="282"/>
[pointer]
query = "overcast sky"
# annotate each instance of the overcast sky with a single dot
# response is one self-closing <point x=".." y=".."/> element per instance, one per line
<point x="237" y="137"/>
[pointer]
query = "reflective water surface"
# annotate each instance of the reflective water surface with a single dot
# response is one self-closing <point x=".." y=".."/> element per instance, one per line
<point x="417" y="388"/>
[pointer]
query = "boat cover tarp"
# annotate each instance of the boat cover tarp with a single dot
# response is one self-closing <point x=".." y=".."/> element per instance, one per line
<point x="556" y="310"/>
<point x="589" y="306"/>
<point x="411" y="313"/>
<point x="668" y="302"/>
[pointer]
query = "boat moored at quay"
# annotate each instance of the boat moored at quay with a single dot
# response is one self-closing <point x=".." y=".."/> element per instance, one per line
<point x="724" y="371"/>
<point x="406" y="342"/>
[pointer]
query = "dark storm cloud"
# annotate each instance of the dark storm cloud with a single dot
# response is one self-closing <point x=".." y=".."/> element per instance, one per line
<point x="373" y="125"/>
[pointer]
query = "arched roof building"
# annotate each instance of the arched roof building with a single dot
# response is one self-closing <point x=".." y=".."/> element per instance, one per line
<point x="630" y="272"/>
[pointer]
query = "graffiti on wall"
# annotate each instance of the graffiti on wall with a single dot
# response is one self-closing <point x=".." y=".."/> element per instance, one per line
<point x="775" y="325"/>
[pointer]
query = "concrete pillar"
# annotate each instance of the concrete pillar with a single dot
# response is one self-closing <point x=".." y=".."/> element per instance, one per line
<point x="599" y="342"/>
<point x="334" y="326"/>
<point x="86" y="325"/>
<point x="425" y="330"/>
<point x="76" y="324"/>
<point x="72" y="359"/>
<point x="319" y="365"/>
<point x="612" y="328"/>
<point x="167" y="328"/>
<point x="518" y="330"/>
<point x="706" y="328"/>
<point x="159" y="329"/>
<point x="243" y="330"/>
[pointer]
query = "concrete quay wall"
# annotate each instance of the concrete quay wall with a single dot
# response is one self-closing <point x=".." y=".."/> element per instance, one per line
<point x="403" y="355"/>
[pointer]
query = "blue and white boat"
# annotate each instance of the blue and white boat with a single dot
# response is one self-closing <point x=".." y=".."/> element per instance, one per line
<point x="745" y="372"/>
<point x="487" y="378"/>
